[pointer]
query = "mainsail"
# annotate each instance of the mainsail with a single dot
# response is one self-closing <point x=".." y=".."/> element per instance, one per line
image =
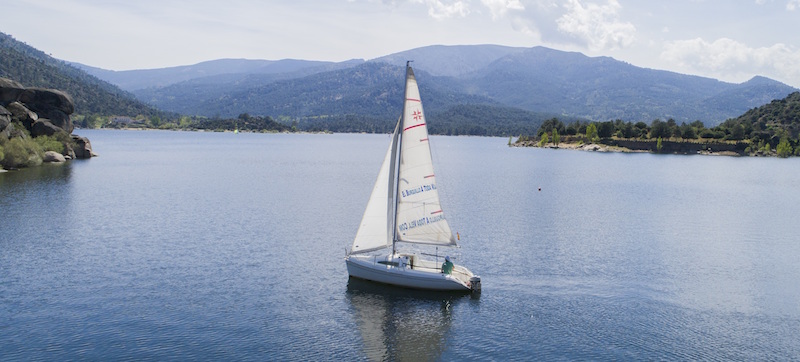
<point x="419" y="216"/>
<point x="404" y="204"/>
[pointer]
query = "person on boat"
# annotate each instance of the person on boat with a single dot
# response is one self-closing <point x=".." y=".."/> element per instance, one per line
<point x="447" y="267"/>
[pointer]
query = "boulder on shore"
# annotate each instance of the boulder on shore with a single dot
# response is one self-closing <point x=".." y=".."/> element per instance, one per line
<point x="53" y="156"/>
<point x="83" y="148"/>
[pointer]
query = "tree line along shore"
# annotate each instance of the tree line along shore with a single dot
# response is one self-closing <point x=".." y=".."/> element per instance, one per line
<point x="769" y="130"/>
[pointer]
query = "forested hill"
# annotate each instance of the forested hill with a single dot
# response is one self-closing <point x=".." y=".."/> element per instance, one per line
<point x="776" y="119"/>
<point x="34" y="68"/>
<point x="363" y="98"/>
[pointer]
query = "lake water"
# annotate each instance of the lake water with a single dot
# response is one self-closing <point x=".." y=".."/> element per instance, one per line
<point x="185" y="246"/>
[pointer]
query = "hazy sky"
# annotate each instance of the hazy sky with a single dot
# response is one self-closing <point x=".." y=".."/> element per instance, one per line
<point x="731" y="40"/>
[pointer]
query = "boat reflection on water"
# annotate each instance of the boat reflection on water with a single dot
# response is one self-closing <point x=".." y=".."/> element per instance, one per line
<point x="400" y="324"/>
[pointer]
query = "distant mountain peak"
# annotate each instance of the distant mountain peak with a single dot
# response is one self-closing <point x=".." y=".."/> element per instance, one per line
<point x="761" y="80"/>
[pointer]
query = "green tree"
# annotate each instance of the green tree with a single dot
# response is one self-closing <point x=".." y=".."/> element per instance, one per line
<point x="784" y="148"/>
<point x="573" y="128"/>
<point x="551" y="124"/>
<point x="672" y="128"/>
<point x="605" y="129"/>
<point x="659" y="129"/>
<point x="687" y="131"/>
<point x="659" y="145"/>
<point x="556" y="137"/>
<point x="544" y="140"/>
<point x="707" y="133"/>
<point x="155" y="121"/>
<point x="626" y="130"/>
<point x="591" y="132"/>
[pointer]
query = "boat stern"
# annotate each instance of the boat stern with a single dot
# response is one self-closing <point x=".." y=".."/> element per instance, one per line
<point x="475" y="284"/>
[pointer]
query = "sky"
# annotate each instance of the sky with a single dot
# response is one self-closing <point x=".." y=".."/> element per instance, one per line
<point x="730" y="40"/>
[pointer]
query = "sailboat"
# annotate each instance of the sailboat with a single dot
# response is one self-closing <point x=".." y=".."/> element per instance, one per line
<point x="404" y="208"/>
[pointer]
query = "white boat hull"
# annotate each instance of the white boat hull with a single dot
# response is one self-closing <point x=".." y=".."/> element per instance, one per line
<point x="422" y="277"/>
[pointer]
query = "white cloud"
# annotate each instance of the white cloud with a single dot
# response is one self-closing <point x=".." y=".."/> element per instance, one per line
<point x="442" y="9"/>
<point x="592" y="24"/>
<point x="499" y="8"/>
<point x="734" y="61"/>
<point x="596" y="25"/>
<point x="793" y="5"/>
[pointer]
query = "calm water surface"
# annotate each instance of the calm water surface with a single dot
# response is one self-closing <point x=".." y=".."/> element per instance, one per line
<point x="178" y="246"/>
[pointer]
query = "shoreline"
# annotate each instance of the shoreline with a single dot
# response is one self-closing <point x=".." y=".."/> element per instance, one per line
<point x="599" y="147"/>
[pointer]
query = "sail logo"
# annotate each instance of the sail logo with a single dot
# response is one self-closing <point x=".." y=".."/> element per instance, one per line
<point x="420" y="222"/>
<point x="417" y="190"/>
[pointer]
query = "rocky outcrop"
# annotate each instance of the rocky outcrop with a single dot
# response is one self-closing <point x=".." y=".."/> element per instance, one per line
<point x="10" y="90"/>
<point x="5" y="117"/>
<point x="52" y="104"/>
<point x="83" y="148"/>
<point x="44" y="127"/>
<point x="22" y="114"/>
<point x="28" y="105"/>
<point x="43" y="112"/>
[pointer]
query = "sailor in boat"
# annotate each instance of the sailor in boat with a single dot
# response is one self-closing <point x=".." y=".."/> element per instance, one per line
<point x="447" y="267"/>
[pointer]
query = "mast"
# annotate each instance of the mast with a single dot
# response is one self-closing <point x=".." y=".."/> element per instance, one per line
<point x="398" y="141"/>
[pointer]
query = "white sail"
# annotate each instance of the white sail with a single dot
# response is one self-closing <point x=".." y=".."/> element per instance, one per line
<point x="419" y="215"/>
<point x="375" y="230"/>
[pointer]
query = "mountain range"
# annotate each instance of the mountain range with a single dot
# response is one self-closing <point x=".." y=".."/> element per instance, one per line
<point x="538" y="80"/>
<point x="472" y="89"/>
